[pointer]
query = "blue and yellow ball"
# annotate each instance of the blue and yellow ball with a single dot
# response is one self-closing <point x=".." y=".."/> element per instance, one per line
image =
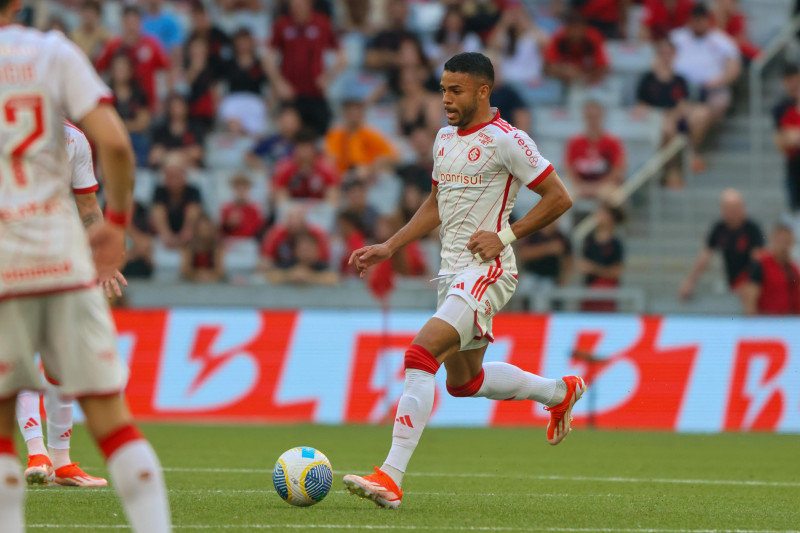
<point x="302" y="476"/>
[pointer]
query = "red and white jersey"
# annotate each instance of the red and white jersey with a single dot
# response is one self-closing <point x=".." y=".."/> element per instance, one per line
<point x="43" y="78"/>
<point x="79" y="155"/>
<point x="478" y="173"/>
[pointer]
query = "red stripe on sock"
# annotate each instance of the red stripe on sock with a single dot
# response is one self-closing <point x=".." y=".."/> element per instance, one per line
<point x="419" y="358"/>
<point x="470" y="388"/>
<point x="7" y="446"/>
<point x="119" y="438"/>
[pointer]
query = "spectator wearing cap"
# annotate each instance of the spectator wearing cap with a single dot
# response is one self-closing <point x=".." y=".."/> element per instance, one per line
<point x="270" y="149"/>
<point x="576" y="53"/>
<point x="773" y="287"/>
<point x="660" y="17"/>
<point x="519" y="43"/>
<point x="90" y="35"/>
<point x="296" y="253"/>
<point x="176" y="204"/>
<point x="306" y="174"/>
<point x="202" y="260"/>
<point x="663" y="89"/>
<point x="301" y="39"/>
<point x="146" y="54"/>
<point x="736" y="237"/>
<point x="709" y="60"/>
<point x="602" y="257"/>
<point x="176" y="134"/>
<point x="241" y="217"/>
<point x="594" y="159"/>
<point x="787" y="139"/>
<point x="354" y="145"/>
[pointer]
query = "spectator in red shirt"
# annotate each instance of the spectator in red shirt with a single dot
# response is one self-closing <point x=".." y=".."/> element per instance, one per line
<point x="202" y="259"/>
<point x="787" y="138"/>
<point x="352" y="232"/>
<point x="576" y="53"/>
<point x="774" y="279"/>
<point x="202" y="82"/>
<point x="595" y="159"/>
<point x="306" y="174"/>
<point x="663" y="16"/>
<point x="296" y="252"/>
<point x="732" y="21"/>
<point x="147" y="56"/>
<point x="607" y="16"/>
<point x="301" y="39"/>
<point x="241" y="217"/>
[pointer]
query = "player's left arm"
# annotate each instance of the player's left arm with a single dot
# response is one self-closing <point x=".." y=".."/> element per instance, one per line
<point x="522" y="158"/>
<point x="91" y="215"/>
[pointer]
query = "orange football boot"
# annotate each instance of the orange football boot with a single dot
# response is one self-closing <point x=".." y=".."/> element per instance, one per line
<point x="561" y="414"/>
<point x="72" y="475"/>
<point x="39" y="470"/>
<point x="378" y="487"/>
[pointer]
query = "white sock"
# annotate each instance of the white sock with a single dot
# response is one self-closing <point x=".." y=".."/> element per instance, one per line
<point x="136" y="473"/>
<point x="12" y="495"/>
<point x="30" y="422"/>
<point x="502" y="381"/>
<point x="59" y="425"/>
<point x="413" y="412"/>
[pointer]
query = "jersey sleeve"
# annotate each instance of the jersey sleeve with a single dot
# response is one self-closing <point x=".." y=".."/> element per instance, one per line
<point x="80" y="87"/>
<point x="83" y="178"/>
<point x="521" y="157"/>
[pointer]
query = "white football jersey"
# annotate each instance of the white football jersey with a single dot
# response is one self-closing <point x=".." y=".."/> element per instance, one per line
<point x="79" y="156"/>
<point x="43" y="78"/>
<point x="478" y="173"/>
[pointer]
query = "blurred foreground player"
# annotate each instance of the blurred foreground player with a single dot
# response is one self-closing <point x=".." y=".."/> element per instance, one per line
<point x="480" y="164"/>
<point x="48" y="299"/>
<point x="53" y="463"/>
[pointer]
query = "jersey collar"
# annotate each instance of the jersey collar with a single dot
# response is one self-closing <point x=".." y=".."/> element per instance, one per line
<point x="476" y="127"/>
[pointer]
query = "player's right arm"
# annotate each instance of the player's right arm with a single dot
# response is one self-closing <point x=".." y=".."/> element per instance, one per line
<point x="424" y="221"/>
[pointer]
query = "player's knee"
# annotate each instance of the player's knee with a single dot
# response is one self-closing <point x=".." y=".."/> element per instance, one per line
<point x="470" y="388"/>
<point x="418" y="358"/>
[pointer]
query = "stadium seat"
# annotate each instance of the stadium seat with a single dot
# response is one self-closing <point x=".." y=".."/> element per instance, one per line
<point x="166" y="262"/>
<point x="225" y="150"/>
<point x="241" y="255"/>
<point x="144" y="185"/>
<point x="385" y="194"/>
<point x="425" y="17"/>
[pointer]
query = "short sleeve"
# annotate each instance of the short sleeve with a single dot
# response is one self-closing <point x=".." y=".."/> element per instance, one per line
<point x="82" y="88"/>
<point x="83" y="178"/>
<point x="727" y="46"/>
<point x="521" y="157"/>
<point x="713" y="236"/>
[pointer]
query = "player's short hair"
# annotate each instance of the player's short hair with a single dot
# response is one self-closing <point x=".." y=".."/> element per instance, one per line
<point x="472" y="63"/>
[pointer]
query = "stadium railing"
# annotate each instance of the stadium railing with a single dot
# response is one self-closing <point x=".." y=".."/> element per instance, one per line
<point x="756" y="72"/>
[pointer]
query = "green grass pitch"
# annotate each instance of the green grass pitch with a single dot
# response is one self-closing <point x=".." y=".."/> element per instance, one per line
<point x="510" y="480"/>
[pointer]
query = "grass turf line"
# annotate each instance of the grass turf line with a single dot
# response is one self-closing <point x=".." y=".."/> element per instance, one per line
<point x="511" y="492"/>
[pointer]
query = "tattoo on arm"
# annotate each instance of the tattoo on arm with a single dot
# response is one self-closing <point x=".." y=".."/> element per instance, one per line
<point x="90" y="218"/>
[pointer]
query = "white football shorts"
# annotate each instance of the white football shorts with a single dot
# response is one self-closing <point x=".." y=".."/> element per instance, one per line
<point x="75" y="336"/>
<point x="469" y="300"/>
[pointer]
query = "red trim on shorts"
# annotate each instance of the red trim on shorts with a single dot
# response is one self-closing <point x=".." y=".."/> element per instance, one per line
<point x="87" y="190"/>
<point x="48" y="292"/>
<point x="418" y="358"/>
<point x="477" y="127"/>
<point x="119" y="438"/>
<point x="480" y="329"/>
<point x="546" y="172"/>
<point x="470" y="388"/>
<point x="7" y="446"/>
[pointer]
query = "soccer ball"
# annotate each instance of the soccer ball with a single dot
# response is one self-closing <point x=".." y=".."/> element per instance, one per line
<point x="302" y="476"/>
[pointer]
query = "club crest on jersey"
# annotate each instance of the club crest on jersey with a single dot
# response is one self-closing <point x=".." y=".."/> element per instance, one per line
<point x="474" y="154"/>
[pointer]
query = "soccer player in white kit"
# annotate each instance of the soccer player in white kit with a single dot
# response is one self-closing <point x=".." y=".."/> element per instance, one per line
<point x="53" y="463"/>
<point x="49" y="301"/>
<point x="480" y="164"/>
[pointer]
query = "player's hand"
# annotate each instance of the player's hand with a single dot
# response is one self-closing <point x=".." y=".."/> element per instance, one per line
<point x="369" y="255"/>
<point x="108" y="248"/>
<point x="486" y="244"/>
<point x="112" y="284"/>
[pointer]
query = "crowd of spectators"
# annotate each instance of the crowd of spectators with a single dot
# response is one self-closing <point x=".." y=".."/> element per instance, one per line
<point x="183" y="71"/>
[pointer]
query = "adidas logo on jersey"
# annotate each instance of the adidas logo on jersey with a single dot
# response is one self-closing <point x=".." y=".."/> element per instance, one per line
<point x="441" y="152"/>
<point x="31" y="423"/>
<point x="405" y="420"/>
<point x="459" y="286"/>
